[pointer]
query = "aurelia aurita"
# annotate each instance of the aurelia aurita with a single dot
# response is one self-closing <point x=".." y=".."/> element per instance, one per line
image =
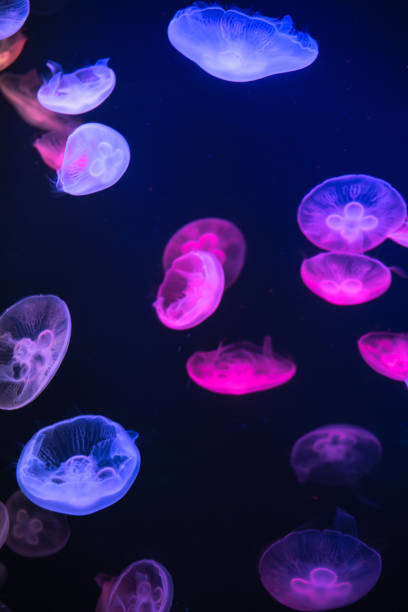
<point x="191" y="290"/>
<point x="319" y="570"/>
<point x="217" y="236"/>
<point x="240" y="368"/>
<point x="351" y="214"/>
<point x="345" y="279"/>
<point x="78" y="466"/>
<point x="400" y="236"/>
<point x="144" y="585"/>
<point x="4" y="524"/>
<point x="95" y="158"/>
<point x="10" y="49"/>
<point x="386" y="353"/>
<point x="77" y="92"/>
<point x="335" y="455"/>
<point x="13" y="14"/>
<point x="34" y="337"/>
<point x="236" y="46"/>
<point x="35" y="532"/>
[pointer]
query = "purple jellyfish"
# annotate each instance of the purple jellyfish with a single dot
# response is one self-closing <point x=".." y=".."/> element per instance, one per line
<point x="344" y="279"/>
<point x="401" y="235"/>
<point x="386" y="353"/>
<point x="13" y="14"/>
<point x="335" y="454"/>
<point x="351" y="214"/>
<point x="4" y="524"/>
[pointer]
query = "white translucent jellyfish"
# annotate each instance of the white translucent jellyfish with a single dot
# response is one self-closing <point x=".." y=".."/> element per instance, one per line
<point x="34" y="337"/>
<point x="13" y="14"/>
<point x="236" y="46"/>
<point x="4" y="524"/>
<point x="77" y="92"/>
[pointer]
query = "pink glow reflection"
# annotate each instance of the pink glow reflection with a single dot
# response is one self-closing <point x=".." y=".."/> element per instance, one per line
<point x="10" y="49"/>
<point x="386" y="353"/>
<point x="51" y="147"/>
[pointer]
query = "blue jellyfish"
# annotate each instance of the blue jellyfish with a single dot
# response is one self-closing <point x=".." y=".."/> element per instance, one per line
<point x="78" y="466"/>
<point x="237" y="46"/>
<point x="79" y="91"/>
<point x="13" y="14"/>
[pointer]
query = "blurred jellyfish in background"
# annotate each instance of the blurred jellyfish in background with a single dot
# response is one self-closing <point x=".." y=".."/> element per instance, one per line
<point x="34" y="337"/>
<point x="13" y="14"/>
<point x="144" y="585"/>
<point x="344" y="279"/>
<point x="4" y="524"/>
<point x="240" y="368"/>
<point x="386" y="353"/>
<point x="78" y="466"/>
<point x="217" y="236"/>
<point x="4" y="608"/>
<point x="335" y="455"/>
<point x="236" y="46"/>
<point x="351" y="214"/>
<point x="35" y="532"/>
<point x="77" y="92"/>
<point x="401" y="235"/>
<point x="10" y="49"/>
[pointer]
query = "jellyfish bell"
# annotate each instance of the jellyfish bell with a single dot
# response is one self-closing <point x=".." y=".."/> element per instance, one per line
<point x="10" y="49"/>
<point x="4" y="524"/>
<point x="400" y="236"/>
<point x="13" y="14"/>
<point x="234" y="45"/>
<point x="386" y="353"/>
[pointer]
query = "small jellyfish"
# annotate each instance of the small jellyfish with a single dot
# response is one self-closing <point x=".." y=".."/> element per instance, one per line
<point x="240" y="368"/>
<point x="344" y="279"/>
<point x="400" y="236"/>
<point x="4" y="524"/>
<point x="351" y="214"/>
<point x="236" y="46"/>
<point x="78" y="466"/>
<point x="386" y="353"/>
<point x="95" y="158"/>
<point x="144" y="585"/>
<point x="13" y="14"/>
<point x="34" y="337"/>
<point x="319" y="570"/>
<point x="191" y="291"/>
<point x="217" y="236"/>
<point x="10" y="49"/>
<point x="35" y="532"/>
<point x="335" y="455"/>
<point x="77" y="92"/>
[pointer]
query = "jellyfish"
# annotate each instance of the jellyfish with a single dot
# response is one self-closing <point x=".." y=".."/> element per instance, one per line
<point x="51" y="147"/>
<point x="78" y="466"/>
<point x="240" y="368"/>
<point x="4" y="524"/>
<point x="13" y="14"/>
<point x="400" y="236"/>
<point x="77" y="92"/>
<point x="351" y="214"/>
<point x="144" y="585"/>
<point x="344" y="279"/>
<point x="34" y="337"/>
<point x="191" y="291"/>
<point x="335" y="455"/>
<point x="319" y="570"/>
<point x="217" y="236"/>
<point x="386" y="353"/>
<point x="10" y="49"/>
<point x="236" y="46"/>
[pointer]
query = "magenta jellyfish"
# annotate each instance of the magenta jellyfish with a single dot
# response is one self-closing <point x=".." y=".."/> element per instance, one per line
<point x="335" y="455"/>
<point x="35" y="532"/>
<point x="78" y="466"/>
<point x="351" y="214"/>
<point x="4" y="524"/>
<point x="77" y="92"/>
<point x="191" y="291"/>
<point x="10" y="49"/>
<point x="51" y="147"/>
<point x="34" y="337"/>
<point x="400" y="236"/>
<point x="240" y="368"/>
<point x="386" y="353"/>
<point x="144" y="585"/>
<point x="96" y="157"/>
<point x="236" y="46"/>
<point x="344" y="279"/>
<point x="319" y="570"/>
<point x="13" y="14"/>
<point x="217" y="236"/>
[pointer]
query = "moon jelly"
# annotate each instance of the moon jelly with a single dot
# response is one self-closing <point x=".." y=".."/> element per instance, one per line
<point x="144" y="585"/>
<point x="4" y="524"/>
<point x="319" y="570"/>
<point x="77" y="92"/>
<point x="351" y="214"/>
<point x="236" y="46"/>
<point x="78" y="466"/>
<point x="240" y="368"/>
<point x="10" y="49"/>
<point x="13" y="14"/>
<point x="34" y="337"/>
<point x="401" y="235"/>
<point x="335" y="454"/>
<point x="35" y="532"/>
<point x="344" y="279"/>
<point x="217" y="236"/>
<point x="386" y="353"/>
<point x="95" y="158"/>
<point x="191" y="290"/>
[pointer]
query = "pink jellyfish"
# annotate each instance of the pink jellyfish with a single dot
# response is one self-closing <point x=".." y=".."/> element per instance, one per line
<point x="335" y="454"/>
<point x="351" y="214"/>
<point x="191" y="290"/>
<point x="217" y="236"/>
<point x="4" y="524"/>
<point x="401" y="235"/>
<point x="319" y="570"/>
<point x="35" y="532"/>
<point x="386" y="353"/>
<point x="144" y="585"/>
<point x="344" y="279"/>
<point x="240" y="368"/>
<point x="10" y="49"/>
